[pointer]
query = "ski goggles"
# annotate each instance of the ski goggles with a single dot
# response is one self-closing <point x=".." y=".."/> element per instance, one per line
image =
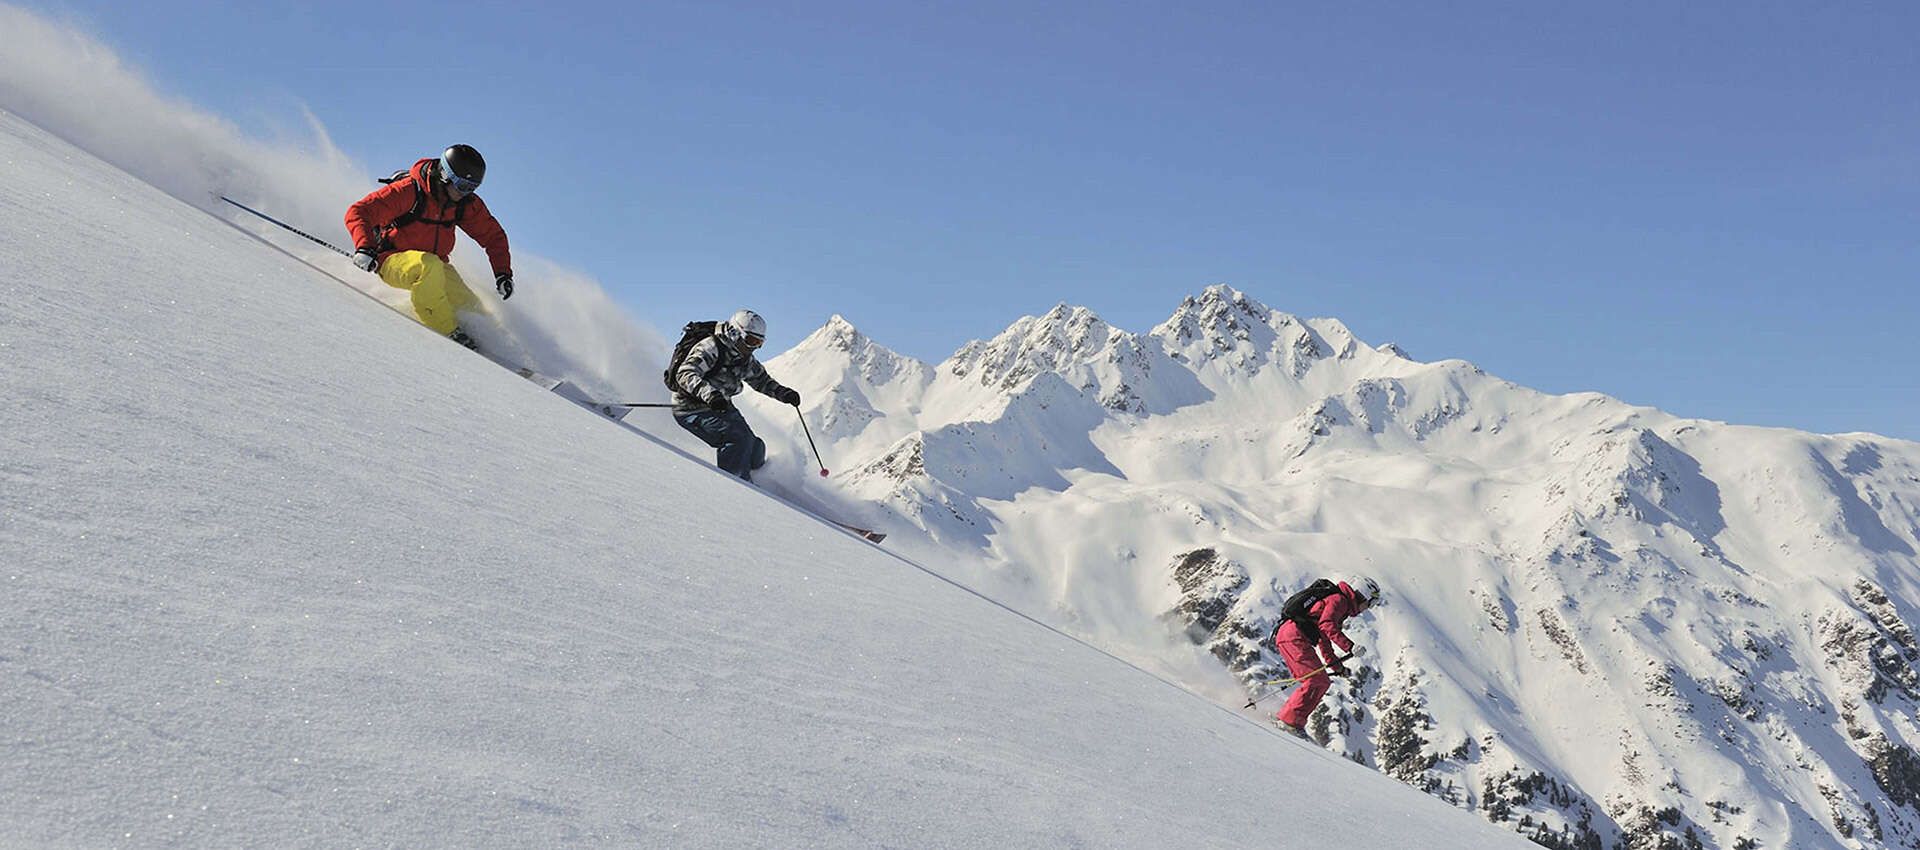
<point x="753" y="341"/>
<point x="460" y="184"/>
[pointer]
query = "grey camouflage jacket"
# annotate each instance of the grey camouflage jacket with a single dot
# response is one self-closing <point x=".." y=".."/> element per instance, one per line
<point x="714" y="371"/>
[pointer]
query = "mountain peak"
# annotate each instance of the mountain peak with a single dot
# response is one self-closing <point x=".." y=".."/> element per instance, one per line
<point x="1063" y="315"/>
<point x="1222" y="308"/>
<point x="838" y="345"/>
<point x="837" y="334"/>
<point x="1049" y="342"/>
<point x="1223" y="325"/>
<point x="1221" y="292"/>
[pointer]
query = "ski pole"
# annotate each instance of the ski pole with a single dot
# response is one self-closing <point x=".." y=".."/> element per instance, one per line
<point x="640" y="404"/>
<point x="296" y="231"/>
<point x="816" y="449"/>
<point x="1292" y="679"/>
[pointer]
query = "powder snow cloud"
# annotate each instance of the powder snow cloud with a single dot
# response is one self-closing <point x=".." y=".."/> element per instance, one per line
<point x="64" y="79"/>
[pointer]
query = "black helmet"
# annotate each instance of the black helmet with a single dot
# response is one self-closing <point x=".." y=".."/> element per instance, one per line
<point x="463" y="166"/>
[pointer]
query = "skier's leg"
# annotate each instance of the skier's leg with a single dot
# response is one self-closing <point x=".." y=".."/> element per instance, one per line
<point x="438" y="292"/>
<point x="402" y="269"/>
<point x="736" y="456"/>
<point x="759" y="453"/>
<point x="727" y="433"/>
<point x="714" y="430"/>
<point x="703" y="425"/>
<point x="441" y="296"/>
<point x="458" y="296"/>
<point x="1306" y="697"/>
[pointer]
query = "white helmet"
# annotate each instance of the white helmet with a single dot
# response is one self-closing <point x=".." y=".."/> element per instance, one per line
<point x="746" y="331"/>
<point x="1367" y="589"/>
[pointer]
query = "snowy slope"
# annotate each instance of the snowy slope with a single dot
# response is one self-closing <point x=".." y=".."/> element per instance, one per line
<point x="1611" y="625"/>
<point x="341" y="583"/>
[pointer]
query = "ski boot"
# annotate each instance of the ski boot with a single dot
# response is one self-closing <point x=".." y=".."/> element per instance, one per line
<point x="1290" y="729"/>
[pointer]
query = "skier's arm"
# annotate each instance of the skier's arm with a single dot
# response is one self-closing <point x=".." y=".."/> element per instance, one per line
<point x="369" y="215"/>
<point x="480" y="224"/>
<point x="758" y="378"/>
<point x="1333" y="615"/>
<point x="1328" y="656"/>
<point x="692" y="377"/>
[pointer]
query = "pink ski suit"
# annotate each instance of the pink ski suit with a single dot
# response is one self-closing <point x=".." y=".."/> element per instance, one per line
<point x="1308" y="653"/>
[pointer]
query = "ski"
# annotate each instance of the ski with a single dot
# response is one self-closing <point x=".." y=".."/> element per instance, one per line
<point x="565" y="389"/>
<point x="545" y="382"/>
<point x="866" y="534"/>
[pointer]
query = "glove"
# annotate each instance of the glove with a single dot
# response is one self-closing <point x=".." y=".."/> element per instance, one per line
<point x="788" y="395"/>
<point x="366" y="260"/>
<point x="504" y="282"/>
<point x="720" y="403"/>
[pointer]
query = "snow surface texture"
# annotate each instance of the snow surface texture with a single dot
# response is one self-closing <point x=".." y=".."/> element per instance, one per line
<point x="1607" y="624"/>
<point x="338" y="582"/>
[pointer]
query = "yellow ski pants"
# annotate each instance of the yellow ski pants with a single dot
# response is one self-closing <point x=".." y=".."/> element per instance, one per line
<point x="438" y="292"/>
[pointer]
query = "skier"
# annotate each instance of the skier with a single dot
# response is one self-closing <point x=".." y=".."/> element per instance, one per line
<point x="403" y="232"/>
<point x="1308" y="634"/>
<point x="705" y="383"/>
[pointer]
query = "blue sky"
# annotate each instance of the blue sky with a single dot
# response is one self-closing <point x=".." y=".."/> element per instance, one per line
<point x="1712" y="209"/>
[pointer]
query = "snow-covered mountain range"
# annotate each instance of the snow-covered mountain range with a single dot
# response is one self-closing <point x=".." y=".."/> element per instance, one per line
<point x="1609" y="626"/>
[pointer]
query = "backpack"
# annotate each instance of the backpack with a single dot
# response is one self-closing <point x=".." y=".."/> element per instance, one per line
<point x="420" y="205"/>
<point x="689" y="335"/>
<point x="1299" y="609"/>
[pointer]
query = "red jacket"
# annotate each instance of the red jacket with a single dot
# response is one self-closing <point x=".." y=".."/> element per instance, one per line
<point x="1331" y="613"/>
<point x="370" y="220"/>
